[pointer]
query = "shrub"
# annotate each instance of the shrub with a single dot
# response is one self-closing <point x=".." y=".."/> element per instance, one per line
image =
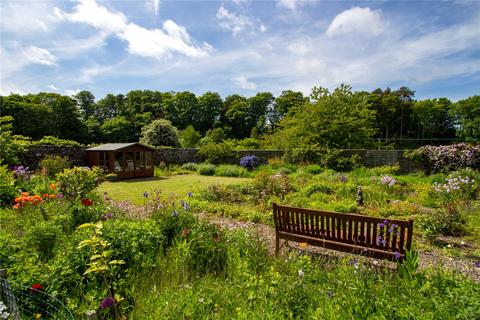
<point x="190" y="137"/>
<point x="313" y="169"/>
<point x="333" y="159"/>
<point x="8" y="191"/>
<point x="216" y="135"/>
<point x="77" y="182"/>
<point x="250" y="162"/>
<point x="215" y="153"/>
<point x="190" y="166"/>
<point x="160" y="133"/>
<point x="227" y="170"/>
<point x="42" y="237"/>
<point x="307" y="154"/>
<point x="54" y="141"/>
<point x="447" y="158"/>
<point x="318" y="187"/>
<point x="51" y="165"/>
<point x="206" y="169"/>
<point x="248" y="144"/>
<point x="10" y="148"/>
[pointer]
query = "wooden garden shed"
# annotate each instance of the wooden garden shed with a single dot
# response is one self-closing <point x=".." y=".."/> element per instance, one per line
<point x="127" y="160"/>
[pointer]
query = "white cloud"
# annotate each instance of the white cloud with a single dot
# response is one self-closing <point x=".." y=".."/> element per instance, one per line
<point x="263" y="28"/>
<point x="53" y="87"/>
<point x="70" y="92"/>
<point x="287" y="4"/>
<point x="357" y="20"/>
<point x="154" y="43"/>
<point x="26" y="17"/>
<point x="243" y="83"/>
<point x="38" y="55"/>
<point x="233" y="22"/>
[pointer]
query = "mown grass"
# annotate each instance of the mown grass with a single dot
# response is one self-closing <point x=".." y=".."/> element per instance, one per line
<point x="132" y="190"/>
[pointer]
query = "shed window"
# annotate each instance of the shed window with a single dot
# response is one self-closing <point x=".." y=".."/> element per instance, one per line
<point x="118" y="161"/>
<point x="148" y="160"/>
<point x="129" y="161"/>
<point x="139" y="161"/>
<point x="104" y="160"/>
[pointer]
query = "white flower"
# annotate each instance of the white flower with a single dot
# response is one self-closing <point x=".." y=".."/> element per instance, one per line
<point x="301" y="273"/>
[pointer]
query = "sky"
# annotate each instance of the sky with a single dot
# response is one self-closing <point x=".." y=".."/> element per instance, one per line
<point x="240" y="46"/>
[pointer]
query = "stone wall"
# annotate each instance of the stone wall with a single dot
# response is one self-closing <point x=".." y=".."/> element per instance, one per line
<point x="77" y="155"/>
<point x="31" y="158"/>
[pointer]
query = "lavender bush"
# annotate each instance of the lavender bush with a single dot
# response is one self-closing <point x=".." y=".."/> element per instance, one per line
<point x="250" y="162"/>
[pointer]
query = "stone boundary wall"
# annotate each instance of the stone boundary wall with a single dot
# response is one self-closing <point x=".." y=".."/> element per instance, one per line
<point x="77" y="155"/>
<point x="31" y="158"/>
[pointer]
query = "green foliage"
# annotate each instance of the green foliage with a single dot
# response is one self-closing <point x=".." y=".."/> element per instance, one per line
<point x="341" y="119"/>
<point x="226" y="170"/>
<point x="206" y="169"/>
<point x="55" y="141"/>
<point x="216" y="135"/>
<point x="10" y="148"/>
<point x="77" y="183"/>
<point x="51" y="165"/>
<point x="467" y="114"/>
<point x="43" y="237"/>
<point x="329" y="158"/>
<point x="190" y="137"/>
<point x="8" y="191"/>
<point x="215" y="152"/>
<point x="190" y="166"/>
<point x="313" y="169"/>
<point x="160" y="133"/>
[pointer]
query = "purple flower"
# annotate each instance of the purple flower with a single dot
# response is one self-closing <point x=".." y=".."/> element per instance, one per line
<point x="145" y="194"/>
<point x="185" y="205"/>
<point x="59" y="195"/>
<point x="398" y="255"/>
<point x="388" y="181"/>
<point x="174" y="214"/>
<point x="190" y="194"/>
<point x="477" y="264"/>
<point x="107" y="302"/>
<point x="343" y="178"/>
<point x="250" y="162"/>
<point x="107" y="216"/>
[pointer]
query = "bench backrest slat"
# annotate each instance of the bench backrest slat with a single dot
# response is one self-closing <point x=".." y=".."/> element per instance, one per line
<point x="370" y="232"/>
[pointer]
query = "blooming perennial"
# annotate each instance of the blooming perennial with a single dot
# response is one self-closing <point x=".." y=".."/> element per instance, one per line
<point x="388" y="181"/>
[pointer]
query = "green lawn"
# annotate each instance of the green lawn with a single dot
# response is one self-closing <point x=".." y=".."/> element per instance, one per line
<point x="132" y="190"/>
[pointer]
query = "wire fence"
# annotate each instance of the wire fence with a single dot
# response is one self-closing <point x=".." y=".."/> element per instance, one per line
<point x="30" y="303"/>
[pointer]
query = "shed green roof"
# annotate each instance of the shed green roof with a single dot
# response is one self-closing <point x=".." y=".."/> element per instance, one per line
<point x="117" y="146"/>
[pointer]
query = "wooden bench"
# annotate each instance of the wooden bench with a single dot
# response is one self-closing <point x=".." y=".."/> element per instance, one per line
<point x="375" y="237"/>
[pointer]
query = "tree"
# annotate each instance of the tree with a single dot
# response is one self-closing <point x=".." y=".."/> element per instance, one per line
<point x="190" y="137"/>
<point x="467" y="115"/>
<point x="210" y="105"/>
<point x="216" y="135"/>
<point x="341" y="119"/>
<point x="9" y="148"/>
<point x="160" y="133"/>
<point x="258" y="107"/>
<point x="283" y="104"/>
<point x="118" y="129"/>
<point x="142" y="101"/>
<point x="433" y="118"/>
<point x="110" y="106"/>
<point x="85" y="103"/>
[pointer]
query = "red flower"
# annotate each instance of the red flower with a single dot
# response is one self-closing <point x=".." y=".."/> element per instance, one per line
<point x="36" y="287"/>
<point x="87" y="202"/>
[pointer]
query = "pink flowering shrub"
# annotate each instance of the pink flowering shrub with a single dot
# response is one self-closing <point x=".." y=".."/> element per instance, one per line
<point x="447" y="158"/>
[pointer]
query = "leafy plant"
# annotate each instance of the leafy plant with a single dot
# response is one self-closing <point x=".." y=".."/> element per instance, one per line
<point x="206" y="169"/>
<point x="51" y="165"/>
<point x="215" y="152"/>
<point x="77" y="182"/>
<point x="226" y="170"/>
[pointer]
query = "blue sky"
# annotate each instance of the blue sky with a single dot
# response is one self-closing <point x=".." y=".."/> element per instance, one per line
<point x="239" y="46"/>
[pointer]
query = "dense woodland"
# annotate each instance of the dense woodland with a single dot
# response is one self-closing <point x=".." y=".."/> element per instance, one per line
<point x="341" y="118"/>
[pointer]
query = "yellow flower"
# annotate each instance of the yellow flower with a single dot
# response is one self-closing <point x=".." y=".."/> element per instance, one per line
<point x="38" y="316"/>
<point x="303" y="245"/>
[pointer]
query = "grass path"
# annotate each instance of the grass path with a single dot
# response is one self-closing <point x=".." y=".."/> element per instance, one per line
<point x="132" y="190"/>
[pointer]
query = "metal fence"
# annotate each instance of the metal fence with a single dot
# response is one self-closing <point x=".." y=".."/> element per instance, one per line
<point x="30" y="303"/>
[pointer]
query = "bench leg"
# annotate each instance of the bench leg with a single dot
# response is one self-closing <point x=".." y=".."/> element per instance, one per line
<point x="277" y="245"/>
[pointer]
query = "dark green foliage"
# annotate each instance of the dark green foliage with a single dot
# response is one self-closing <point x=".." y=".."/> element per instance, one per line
<point x="190" y="137"/>
<point x="10" y="148"/>
<point x="54" y="141"/>
<point x="467" y="114"/>
<point x="226" y="170"/>
<point x="8" y="190"/>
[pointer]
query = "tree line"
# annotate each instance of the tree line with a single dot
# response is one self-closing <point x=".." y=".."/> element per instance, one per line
<point x="342" y="118"/>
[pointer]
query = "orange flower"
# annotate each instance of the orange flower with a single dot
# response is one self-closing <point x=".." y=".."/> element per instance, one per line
<point x="53" y="186"/>
<point x="24" y="194"/>
<point x="16" y="206"/>
<point x="18" y="199"/>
